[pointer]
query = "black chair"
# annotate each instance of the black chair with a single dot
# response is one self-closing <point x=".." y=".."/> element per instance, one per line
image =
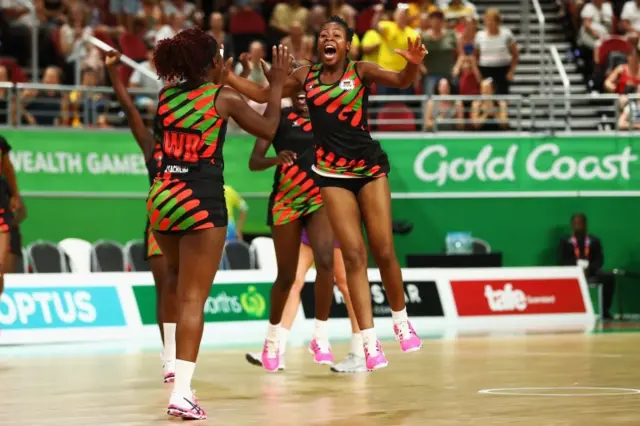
<point x="238" y="255"/>
<point x="479" y="246"/>
<point x="107" y="256"/>
<point x="136" y="257"/>
<point x="46" y="257"/>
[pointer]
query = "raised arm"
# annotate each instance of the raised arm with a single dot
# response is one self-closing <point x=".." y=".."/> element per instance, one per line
<point x="374" y="73"/>
<point x="231" y="105"/>
<point x="140" y="132"/>
<point x="259" y="160"/>
<point x="260" y="94"/>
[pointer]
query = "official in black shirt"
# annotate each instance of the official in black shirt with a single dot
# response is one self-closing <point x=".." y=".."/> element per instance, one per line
<point x="584" y="249"/>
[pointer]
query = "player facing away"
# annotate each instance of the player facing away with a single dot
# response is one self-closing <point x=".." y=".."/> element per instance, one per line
<point x="352" y="169"/>
<point x="186" y="203"/>
<point x="10" y="203"/>
<point x="295" y="204"/>
<point x="166" y="300"/>
<point x="355" y="361"/>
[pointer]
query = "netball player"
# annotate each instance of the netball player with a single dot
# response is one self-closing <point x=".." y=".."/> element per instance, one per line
<point x="186" y="203"/>
<point x="14" y="255"/>
<point x="295" y="203"/>
<point x="352" y="169"/>
<point x="10" y="202"/>
<point x="355" y="361"/>
<point x="166" y="299"/>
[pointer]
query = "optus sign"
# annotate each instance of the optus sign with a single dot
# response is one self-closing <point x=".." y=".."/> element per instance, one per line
<point x="226" y="302"/>
<point x="518" y="297"/>
<point x="60" y="307"/>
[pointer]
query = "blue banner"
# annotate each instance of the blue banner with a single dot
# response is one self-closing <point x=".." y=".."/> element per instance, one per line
<point x="60" y="307"/>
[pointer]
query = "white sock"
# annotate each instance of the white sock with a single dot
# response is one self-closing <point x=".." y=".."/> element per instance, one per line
<point x="370" y="340"/>
<point x="273" y="332"/>
<point x="184" y="374"/>
<point x="357" y="345"/>
<point x="284" y="334"/>
<point x="321" y="331"/>
<point x="399" y="316"/>
<point x="169" y="351"/>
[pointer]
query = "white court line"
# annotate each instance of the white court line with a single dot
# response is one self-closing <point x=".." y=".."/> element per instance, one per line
<point x="518" y="391"/>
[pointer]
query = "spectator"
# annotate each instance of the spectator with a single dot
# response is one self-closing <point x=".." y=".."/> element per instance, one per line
<point x="216" y="24"/>
<point x="441" y="43"/>
<point x="152" y="15"/>
<point x="124" y="10"/>
<point x="625" y="78"/>
<point x="249" y="66"/>
<point x="74" y="48"/>
<point x="174" y="26"/>
<point x="52" y="13"/>
<point x="444" y="114"/>
<point x="585" y="250"/>
<point x="300" y="45"/>
<point x="235" y="204"/>
<point x="342" y="9"/>
<point x="597" y="23"/>
<point x="498" y="52"/>
<point x="87" y="108"/>
<point x="148" y="101"/>
<point x="192" y="16"/>
<point x="370" y="45"/>
<point x="5" y="97"/>
<point x="467" y="40"/>
<point x="486" y="113"/>
<point x="317" y="18"/>
<point x="630" y="117"/>
<point x="349" y="15"/>
<point x="285" y="14"/>
<point x="417" y="9"/>
<point x="457" y="12"/>
<point x="45" y="107"/>
<point x="467" y="74"/>
<point x="630" y="17"/>
<point x="15" y="31"/>
<point x="394" y="36"/>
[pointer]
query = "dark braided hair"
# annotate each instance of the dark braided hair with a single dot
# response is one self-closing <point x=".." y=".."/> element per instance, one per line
<point x="338" y="20"/>
<point x="186" y="56"/>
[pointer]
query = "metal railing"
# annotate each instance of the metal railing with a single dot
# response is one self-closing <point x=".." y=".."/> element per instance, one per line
<point x="34" y="39"/>
<point x="525" y="26"/>
<point x="566" y="84"/>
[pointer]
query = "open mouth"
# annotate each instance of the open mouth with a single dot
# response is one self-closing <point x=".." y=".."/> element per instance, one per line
<point x="330" y="51"/>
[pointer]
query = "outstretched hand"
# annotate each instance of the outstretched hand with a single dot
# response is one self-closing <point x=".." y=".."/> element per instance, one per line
<point x="415" y="52"/>
<point x="280" y="65"/>
<point x="112" y="58"/>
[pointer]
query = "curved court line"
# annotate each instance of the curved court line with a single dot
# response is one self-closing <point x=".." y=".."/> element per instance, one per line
<point x="507" y="391"/>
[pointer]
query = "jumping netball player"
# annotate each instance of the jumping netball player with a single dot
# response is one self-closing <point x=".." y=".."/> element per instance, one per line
<point x="186" y="203"/>
<point x="295" y="203"/>
<point x="352" y="169"/>
<point x="10" y="202"/>
<point x="166" y="300"/>
<point x="355" y="361"/>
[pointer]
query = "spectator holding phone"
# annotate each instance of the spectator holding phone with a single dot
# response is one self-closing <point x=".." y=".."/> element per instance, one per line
<point x="441" y="43"/>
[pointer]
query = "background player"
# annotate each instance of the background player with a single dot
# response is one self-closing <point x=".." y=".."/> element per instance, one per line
<point x="354" y="362"/>
<point x="353" y="168"/>
<point x="10" y="202"/>
<point x="166" y="299"/>
<point x="186" y="204"/>
<point x="14" y="255"/>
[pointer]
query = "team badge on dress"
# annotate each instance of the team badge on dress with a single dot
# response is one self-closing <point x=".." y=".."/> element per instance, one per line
<point x="347" y="85"/>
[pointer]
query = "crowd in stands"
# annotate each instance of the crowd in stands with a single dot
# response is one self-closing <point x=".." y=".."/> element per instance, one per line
<point x="468" y="54"/>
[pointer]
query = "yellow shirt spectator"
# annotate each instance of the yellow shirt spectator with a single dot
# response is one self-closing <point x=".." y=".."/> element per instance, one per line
<point x="354" y="53"/>
<point x="393" y="37"/>
<point x="235" y="203"/>
<point x="370" y="46"/>
<point x="284" y="15"/>
<point x="418" y="8"/>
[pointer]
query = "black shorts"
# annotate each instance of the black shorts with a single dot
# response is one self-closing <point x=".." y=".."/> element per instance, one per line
<point x="177" y="207"/>
<point x="354" y="185"/>
<point x="15" y="242"/>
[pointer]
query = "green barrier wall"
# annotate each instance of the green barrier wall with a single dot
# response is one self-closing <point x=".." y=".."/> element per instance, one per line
<point x="516" y="193"/>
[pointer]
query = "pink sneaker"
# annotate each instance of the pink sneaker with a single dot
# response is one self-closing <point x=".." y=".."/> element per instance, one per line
<point x="377" y="361"/>
<point x="322" y="356"/>
<point x="270" y="356"/>
<point x="169" y="377"/>
<point x="409" y="340"/>
<point x="185" y="408"/>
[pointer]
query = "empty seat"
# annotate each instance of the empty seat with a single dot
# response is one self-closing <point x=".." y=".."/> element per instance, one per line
<point x="396" y="117"/>
<point x="136" y="257"/>
<point x="238" y="255"/>
<point x="107" y="256"/>
<point x="480" y="246"/>
<point x="45" y="256"/>
<point x="265" y="254"/>
<point x="79" y="253"/>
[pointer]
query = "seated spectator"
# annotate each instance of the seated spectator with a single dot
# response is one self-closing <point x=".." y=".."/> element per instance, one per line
<point x="249" y="66"/>
<point x="625" y="78"/>
<point x="597" y="23"/>
<point x="45" y="107"/>
<point x="125" y="11"/>
<point x="153" y="16"/>
<point x="285" y="14"/>
<point x="444" y="114"/>
<point x="394" y="36"/>
<point x="457" y="12"/>
<point x="146" y="102"/>
<point x="441" y="43"/>
<point x="467" y="74"/>
<point x="87" y="108"/>
<point x="498" y="52"/>
<point x="192" y="16"/>
<point x="174" y="26"/>
<point x="630" y="17"/>
<point x="216" y="25"/>
<point x="417" y="9"/>
<point x="15" y="33"/>
<point x="300" y="45"/>
<point x="630" y="117"/>
<point x="486" y="113"/>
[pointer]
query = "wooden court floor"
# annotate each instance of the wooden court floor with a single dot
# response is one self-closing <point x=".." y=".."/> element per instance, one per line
<point x="587" y="380"/>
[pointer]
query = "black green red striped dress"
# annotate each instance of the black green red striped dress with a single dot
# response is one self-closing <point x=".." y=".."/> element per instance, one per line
<point x="188" y="194"/>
